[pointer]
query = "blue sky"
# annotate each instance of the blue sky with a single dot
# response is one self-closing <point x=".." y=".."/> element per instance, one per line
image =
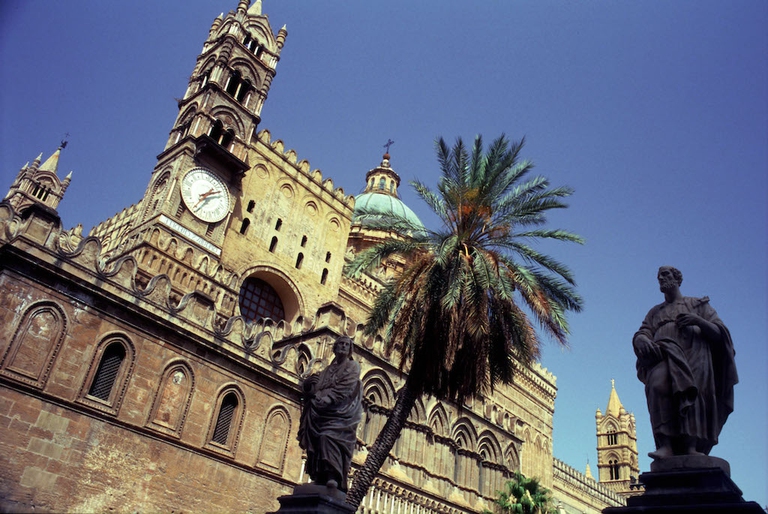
<point x="655" y="112"/>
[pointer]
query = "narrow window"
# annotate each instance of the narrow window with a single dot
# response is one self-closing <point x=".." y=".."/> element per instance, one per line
<point x="233" y="83"/>
<point x="324" y="276"/>
<point x="328" y="257"/>
<point x="278" y="224"/>
<point x="299" y="260"/>
<point x="106" y="375"/>
<point x="612" y="437"/>
<point x="226" y="137"/>
<point x="382" y="182"/>
<point x="216" y="131"/>
<point x="251" y="205"/>
<point x="224" y="420"/>
<point x="303" y="241"/>
<point x="273" y="244"/>
<point x="242" y="90"/>
<point x="244" y="226"/>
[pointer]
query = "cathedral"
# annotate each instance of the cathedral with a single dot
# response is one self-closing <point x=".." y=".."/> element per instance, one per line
<point x="153" y="365"/>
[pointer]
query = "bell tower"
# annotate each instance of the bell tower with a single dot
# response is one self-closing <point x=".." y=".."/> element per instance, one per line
<point x="197" y="179"/>
<point x="196" y="183"/>
<point x="617" y="446"/>
<point x="178" y="229"/>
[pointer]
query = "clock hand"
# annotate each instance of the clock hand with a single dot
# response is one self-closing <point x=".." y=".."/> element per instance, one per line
<point x="203" y="197"/>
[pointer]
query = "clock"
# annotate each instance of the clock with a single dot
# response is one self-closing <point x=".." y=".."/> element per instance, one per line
<point x="205" y="195"/>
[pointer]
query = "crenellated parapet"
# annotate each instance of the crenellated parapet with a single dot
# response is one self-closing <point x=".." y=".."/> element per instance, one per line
<point x="302" y="168"/>
<point x="577" y="491"/>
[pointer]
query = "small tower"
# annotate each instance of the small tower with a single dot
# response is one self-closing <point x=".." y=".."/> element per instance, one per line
<point x="39" y="184"/>
<point x="617" y="446"/>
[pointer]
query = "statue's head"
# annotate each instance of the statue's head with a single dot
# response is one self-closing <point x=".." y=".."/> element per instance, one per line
<point x="343" y="347"/>
<point x="669" y="278"/>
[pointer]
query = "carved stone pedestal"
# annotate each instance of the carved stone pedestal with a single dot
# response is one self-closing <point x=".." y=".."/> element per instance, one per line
<point x="688" y="484"/>
<point x="314" y="499"/>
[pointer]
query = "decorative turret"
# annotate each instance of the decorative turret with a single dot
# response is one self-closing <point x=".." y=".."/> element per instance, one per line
<point x="39" y="184"/>
<point x="617" y="462"/>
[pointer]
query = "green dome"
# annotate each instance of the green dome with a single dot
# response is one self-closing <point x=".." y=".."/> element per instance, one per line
<point x="379" y="203"/>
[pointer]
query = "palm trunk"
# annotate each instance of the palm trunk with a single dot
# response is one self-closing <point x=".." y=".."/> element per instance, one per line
<point x="385" y="441"/>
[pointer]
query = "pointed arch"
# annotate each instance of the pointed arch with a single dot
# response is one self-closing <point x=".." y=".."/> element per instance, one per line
<point x="35" y="344"/>
<point x="172" y="399"/>
<point x="107" y="378"/>
<point x="512" y="457"/>
<point x="464" y="434"/>
<point x="489" y="448"/>
<point x="274" y="440"/>
<point x="418" y="414"/>
<point x="227" y="420"/>
<point x="438" y="420"/>
<point x="378" y="389"/>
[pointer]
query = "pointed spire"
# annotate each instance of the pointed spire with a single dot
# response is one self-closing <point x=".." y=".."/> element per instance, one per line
<point x="255" y="9"/>
<point x="588" y="472"/>
<point x="37" y="160"/>
<point x="281" y="35"/>
<point x="614" y="404"/>
<point x="52" y="163"/>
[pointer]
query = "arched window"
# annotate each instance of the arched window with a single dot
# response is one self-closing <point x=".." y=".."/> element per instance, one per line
<point x="224" y="420"/>
<point x="299" y="260"/>
<point x="259" y="300"/>
<point x="382" y="183"/>
<point x="303" y="241"/>
<point x="105" y="384"/>
<point x="278" y="224"/>
<point x="233" y="83"/>
<point x="251" y="205"/>
<point x="244" y="226"/>
<point x="612" y="437"/>
<point x="216" y="131"/>
<point x="107" y="373"/>
<point x="324" y="276"/>
<point x="613" y="467"/>
<point x="273" y="245"/>
<point x="328" y="257"/>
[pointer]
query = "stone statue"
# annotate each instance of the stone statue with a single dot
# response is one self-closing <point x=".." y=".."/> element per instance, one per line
<point x="685" y="358"/>
<point x="331" y="411"/>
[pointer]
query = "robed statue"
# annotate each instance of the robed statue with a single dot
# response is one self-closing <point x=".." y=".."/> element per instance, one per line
<point x="685" y="358"/>
<point x="331" y="411"/>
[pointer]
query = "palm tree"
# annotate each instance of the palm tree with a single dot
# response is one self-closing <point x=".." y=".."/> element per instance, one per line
<point x="455" y="314"/>
<point x="524" y="495"/>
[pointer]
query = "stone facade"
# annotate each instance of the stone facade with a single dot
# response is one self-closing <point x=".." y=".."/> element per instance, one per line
<point x="154" y="364"/>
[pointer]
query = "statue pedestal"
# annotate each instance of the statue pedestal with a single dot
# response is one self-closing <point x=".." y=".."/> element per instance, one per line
<point x="688" y="484"/>
<point x="314" y="499"/>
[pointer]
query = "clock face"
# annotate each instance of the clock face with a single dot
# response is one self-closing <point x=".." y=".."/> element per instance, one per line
<point x="205" y="194"/>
